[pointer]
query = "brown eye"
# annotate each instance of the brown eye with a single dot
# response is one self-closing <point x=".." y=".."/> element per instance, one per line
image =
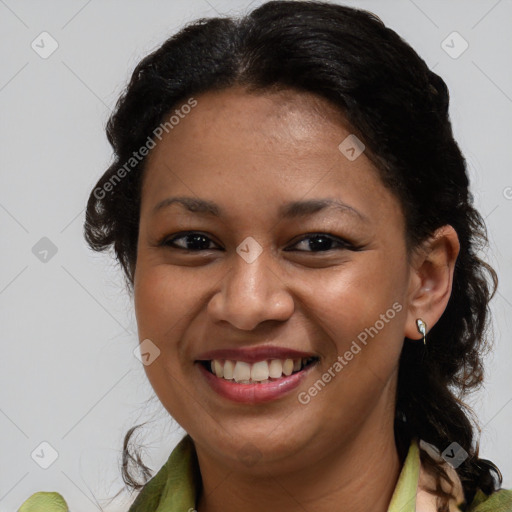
<point x="193" y="241"/>
<point x="321" y="242"/>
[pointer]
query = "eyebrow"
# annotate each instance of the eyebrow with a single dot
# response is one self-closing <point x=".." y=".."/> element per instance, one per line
<point x="289" y="210"/>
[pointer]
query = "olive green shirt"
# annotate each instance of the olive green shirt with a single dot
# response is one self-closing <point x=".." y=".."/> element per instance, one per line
<point x="176" y="487"/>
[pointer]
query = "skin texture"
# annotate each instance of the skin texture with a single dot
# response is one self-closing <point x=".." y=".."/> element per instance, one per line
<point x="250" y="154"/>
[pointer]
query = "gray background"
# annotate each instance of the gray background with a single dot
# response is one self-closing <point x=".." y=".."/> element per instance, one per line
<point x="69" y="376"/>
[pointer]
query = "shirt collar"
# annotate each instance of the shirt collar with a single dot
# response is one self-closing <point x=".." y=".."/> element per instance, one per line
<point x="178" y="483"/>
<point x="404" y="495"/>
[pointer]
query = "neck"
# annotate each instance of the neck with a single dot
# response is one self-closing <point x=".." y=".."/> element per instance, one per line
<point x="351" y="477"/>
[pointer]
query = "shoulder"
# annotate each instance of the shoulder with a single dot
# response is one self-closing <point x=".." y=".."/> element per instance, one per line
<point x="47" y="501"/>
<point x="499" y="501"/>
<point x="426" y="500"/>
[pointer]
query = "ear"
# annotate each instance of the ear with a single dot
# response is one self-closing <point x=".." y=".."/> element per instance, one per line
<point x="431" y="277"/>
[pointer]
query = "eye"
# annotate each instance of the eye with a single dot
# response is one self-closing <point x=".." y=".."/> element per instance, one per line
<point x="321" y="242"/>
<point x="195" y="241"/>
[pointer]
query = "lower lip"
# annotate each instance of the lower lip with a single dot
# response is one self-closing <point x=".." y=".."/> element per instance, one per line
<point x="254" y="393"/>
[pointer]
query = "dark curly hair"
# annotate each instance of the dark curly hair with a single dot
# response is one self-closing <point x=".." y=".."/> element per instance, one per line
<point x="399" y="108"/>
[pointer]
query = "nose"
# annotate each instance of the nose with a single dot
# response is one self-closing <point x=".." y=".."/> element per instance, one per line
<point x="252" y="293"/>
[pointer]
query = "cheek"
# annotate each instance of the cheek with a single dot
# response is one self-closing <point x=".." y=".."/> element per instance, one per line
<point x="358" y="293"/>
<point x="361" y="311"/>
<point x="163" y="307"/>
<point x="361" y="323"/>
<point x="161" y="300"/>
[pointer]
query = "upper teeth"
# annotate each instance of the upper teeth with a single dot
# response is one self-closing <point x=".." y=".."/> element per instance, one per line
<point x="244" y="372"/>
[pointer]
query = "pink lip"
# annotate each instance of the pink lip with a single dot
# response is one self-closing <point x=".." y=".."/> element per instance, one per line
<point x="253" y="354"/>
<point x="254" y="393"/>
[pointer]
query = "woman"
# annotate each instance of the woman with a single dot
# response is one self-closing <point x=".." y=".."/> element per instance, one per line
<point x="292" y="215"/>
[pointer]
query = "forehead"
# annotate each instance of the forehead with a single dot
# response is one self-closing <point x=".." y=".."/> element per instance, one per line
<point x="283" y="119"/>
<point x="270" y="145"/>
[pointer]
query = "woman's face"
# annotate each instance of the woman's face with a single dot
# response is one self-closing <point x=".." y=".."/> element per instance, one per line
<point x="255" y="274"/>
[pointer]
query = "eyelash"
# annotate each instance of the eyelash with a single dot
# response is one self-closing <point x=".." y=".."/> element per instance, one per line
<point x="343" y="244"/>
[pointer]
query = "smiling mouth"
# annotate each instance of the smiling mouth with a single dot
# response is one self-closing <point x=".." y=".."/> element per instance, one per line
<point x="261" y="372"/>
